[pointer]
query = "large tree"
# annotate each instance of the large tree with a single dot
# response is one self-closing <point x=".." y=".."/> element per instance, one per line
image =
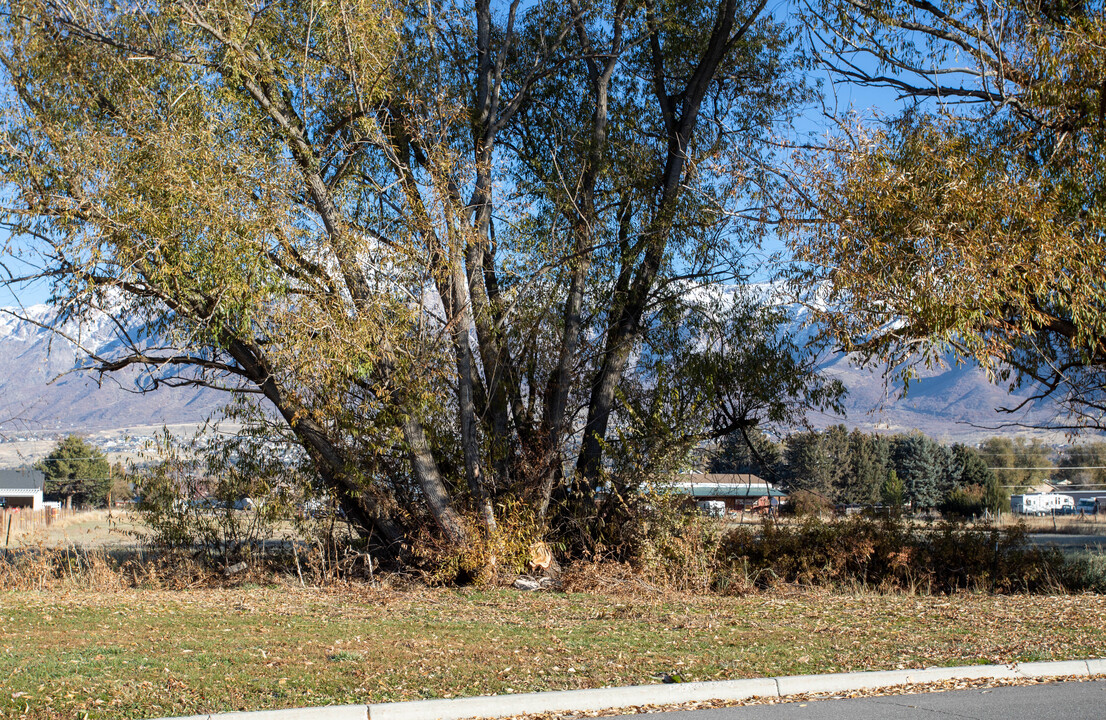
<point x="1084" y="465"/>
<point x="870" y="458"/>
<point x="819" y="462"/>
<point x="77" y="472"/>
<point x="918" y="462"/>
<point x="973" y="221"/>
<point x="457" y="250"/>
<point x="1018" y="464"/>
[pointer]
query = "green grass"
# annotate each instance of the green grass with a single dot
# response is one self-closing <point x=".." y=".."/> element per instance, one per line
<point x="141" y="654"/>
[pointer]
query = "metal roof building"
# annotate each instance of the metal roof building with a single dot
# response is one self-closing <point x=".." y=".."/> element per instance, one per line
<point x="740" y="492"/>
<point x="21" y="488"/>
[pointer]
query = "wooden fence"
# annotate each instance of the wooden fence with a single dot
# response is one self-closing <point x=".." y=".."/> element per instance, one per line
<point x="20" y="522"/>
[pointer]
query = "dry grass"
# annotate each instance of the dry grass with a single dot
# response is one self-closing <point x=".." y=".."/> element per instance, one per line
<point x="84" y="634"/>
<point x="1064" y="524"/>
<point x="147" y="653"/>
<point x="101" y="529"/>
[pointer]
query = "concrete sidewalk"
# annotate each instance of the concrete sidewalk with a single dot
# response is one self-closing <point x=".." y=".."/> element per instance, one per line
<point x="497" y="706"/>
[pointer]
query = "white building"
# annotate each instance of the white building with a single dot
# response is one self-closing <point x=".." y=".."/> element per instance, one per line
<point x="21" y="488"/>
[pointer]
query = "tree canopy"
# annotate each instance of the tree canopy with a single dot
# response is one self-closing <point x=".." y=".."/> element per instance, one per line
<point x="462" y="252"/>
<point x="973" y="221"/>
<point x="77" y="472"/>
<point x="1084" y="465"/>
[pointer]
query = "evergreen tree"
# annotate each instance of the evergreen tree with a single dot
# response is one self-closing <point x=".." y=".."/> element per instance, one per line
<point x="868" y="454"/>
<point x="734" y="455"/>
<point x="948" y="467"/>
<point x="809" y="466"/>
<point x="973" y="469"/>
<point x="917" y="461"/>
<point x="892" y="491"/>
<point x="77" y="472"/>
<point x="835" y="443"/>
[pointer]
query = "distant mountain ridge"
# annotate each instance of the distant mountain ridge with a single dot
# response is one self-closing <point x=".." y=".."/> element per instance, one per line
<point x="40" y="393"/>
<point x="954" y="403"/>
<point x="951" y="404"/>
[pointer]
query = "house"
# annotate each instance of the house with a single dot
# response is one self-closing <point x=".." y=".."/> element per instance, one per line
<point x="21" y="488"/>
<point x="741" y="492"/>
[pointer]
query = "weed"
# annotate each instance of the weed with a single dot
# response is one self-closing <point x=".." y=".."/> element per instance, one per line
<point x="890" y="554"/>
<point x="344" y="656"/>
<point x="1086" y="571"/>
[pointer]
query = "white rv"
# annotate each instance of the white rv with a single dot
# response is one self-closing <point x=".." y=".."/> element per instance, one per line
<point x="1042" y="504"/>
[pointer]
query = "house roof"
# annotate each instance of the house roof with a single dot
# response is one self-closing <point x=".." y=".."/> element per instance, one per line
<point x="722" y="478"/>
<point x="24" y="479"/>
<point x="714" y="490"/>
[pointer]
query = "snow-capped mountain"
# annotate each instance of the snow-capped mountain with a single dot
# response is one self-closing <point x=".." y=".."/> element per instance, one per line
<point x="951" y="403"/>
<point x="39" y="392"/>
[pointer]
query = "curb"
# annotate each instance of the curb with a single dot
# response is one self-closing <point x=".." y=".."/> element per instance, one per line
<point x="498" y="706"/>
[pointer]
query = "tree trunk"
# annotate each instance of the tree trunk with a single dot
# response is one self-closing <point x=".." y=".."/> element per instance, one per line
<point x="430" y="481"/>
<point x="584" y="220"/>
<point x="466" y="381"/>
<point x="362" y="508"/>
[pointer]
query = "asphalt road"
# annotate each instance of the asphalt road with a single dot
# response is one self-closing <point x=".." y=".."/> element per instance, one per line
<point x="1070" y="542"/>
<point x="1053" y="701"/>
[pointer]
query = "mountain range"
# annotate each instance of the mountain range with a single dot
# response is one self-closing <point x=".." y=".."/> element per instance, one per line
<point x="40" y="393"/>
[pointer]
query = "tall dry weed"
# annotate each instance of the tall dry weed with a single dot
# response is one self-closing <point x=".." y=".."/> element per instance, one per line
<point x="71" y="567"/>
<point x="891" y="554"/>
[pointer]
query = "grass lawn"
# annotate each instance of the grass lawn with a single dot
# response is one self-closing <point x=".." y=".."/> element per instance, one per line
<point x="143" y="653"/>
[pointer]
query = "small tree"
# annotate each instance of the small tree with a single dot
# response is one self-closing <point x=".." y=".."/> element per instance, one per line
<point x="965" y="502"/>
<point x="76" y="471"/>
<point x="121" y="487"/>
<point x="893" y="490"/>
<point x="995" y="496"/>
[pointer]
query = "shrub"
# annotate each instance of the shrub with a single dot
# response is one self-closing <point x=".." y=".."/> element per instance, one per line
<point x="1086" y="572"/>
<point x="892" y="554"/>
<point x="220" y="499"/>
<point x="678" y="545"/>
<point x="806" y="503"/>
<point x="965" y="502"/>
<point x="488" y="558"/>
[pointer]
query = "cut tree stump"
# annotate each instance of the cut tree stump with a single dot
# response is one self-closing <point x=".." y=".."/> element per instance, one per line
<point x="541" y="558"/>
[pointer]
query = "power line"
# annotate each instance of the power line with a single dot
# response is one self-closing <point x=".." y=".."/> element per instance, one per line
<point x="1064" y="468"/>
